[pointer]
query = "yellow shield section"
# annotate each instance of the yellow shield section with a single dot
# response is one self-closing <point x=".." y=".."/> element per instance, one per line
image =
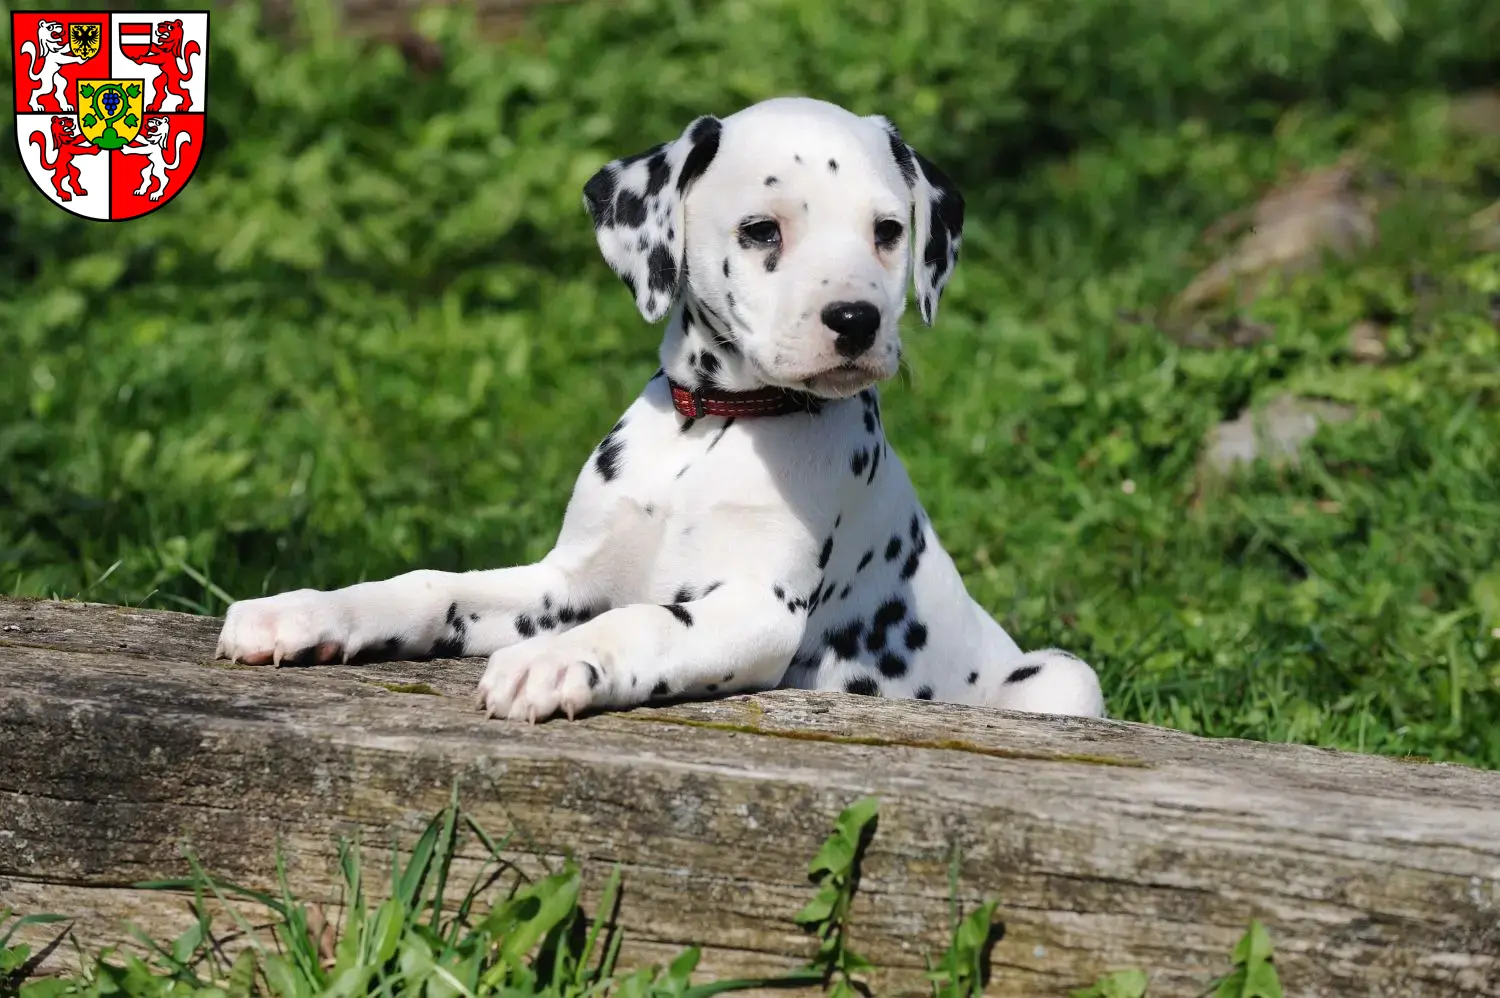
<point x="84" y="39"/>
<point x="110" y="111"/>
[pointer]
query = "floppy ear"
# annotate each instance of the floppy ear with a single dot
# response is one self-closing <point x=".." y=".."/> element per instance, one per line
<point x="636" y="204"/>
<point x="939" y="210"/>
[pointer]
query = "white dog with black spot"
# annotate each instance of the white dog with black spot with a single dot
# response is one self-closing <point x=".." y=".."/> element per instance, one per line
<point x="745" y="525"/>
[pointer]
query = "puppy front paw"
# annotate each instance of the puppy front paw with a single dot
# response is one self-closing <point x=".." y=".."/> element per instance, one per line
<point x="527" y="683"/>
<point x="302" y="625"/>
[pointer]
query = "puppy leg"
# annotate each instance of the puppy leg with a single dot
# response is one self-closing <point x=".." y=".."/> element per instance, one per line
<point x="736" y="638"/>
<point x="1049" y="682"/>
<point x="422" y="614"/>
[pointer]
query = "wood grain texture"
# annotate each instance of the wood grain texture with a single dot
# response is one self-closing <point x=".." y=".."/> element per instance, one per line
<point x="1108" y="844"/>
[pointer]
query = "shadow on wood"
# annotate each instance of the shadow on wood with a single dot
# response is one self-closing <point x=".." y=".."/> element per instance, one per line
<point x="1108" y="844"/>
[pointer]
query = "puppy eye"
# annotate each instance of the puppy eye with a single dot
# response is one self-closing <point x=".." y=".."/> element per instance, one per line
<point x="888" y="232"/>
<point x="761" y="232"/>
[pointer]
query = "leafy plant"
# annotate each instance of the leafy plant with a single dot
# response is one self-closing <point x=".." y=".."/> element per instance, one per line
<point x="1128" y="983"/>
<point x="1254" y="974"/>
<point x="963" y="970"/>
<point x="835" y="871"/>
<point x="16" y="957"/>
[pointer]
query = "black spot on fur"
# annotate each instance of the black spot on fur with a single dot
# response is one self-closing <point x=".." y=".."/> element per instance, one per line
<point x="709" y="363"/>
<point x="630" y="209"/>
<point x="916" y="635"/>
<point x="661" y="689"/>
<point x="780" y="592"/>
<point x="593" y="674"/>
<point x="845" y="640"/>
<point x="797" y="157"/>
<point x="865" y="561"/>
<point x="858" y="460"/>
<point x="893" y="548"/>
<point x="825" y="554"/>
<point x="448" y="647"/>
<point x="909" y="569"/>
<point x="711" y="587"/>
<point x="684" y="595"/>
<point x="869" y="421"/>
<point x="661" y="269"/>
<point x="772" y="259"/>
<point x="947" y="219"/>
<point x="833" y="166"/>
<point x="1022" y="674"/>
<point x="566" y="614"/>
<point x="657" y="173"/>
<point x="874" y="467"/>
<point x="720" y="435"/>
<point x="915" y="527"/>
<point x="546" y="623"/>
<point x="862" y="686"/>
<point x="681" y="613"/>
<point x="599" y="195"/>
<point x="891" y="612"/>
<point x="891" y="666"/>
<point x="524" y="626"/>
<point x="924" y="693"/>
<point x="712" y="687"/>
<point x="771" y="181"/>
<point x="726" y="266"/>
<point x="607" y="461"/>
<point x="973" y="678"/>
<point x="687" y="424"/>
<point x="844" y="593"/>
<point x="474" y="617"/>
<point x="901" y="153"/>
<point x="705" y="139"/>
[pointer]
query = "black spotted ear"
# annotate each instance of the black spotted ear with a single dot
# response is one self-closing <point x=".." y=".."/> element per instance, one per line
<point x="636" y="204"/>
<point x="938" y="208"/>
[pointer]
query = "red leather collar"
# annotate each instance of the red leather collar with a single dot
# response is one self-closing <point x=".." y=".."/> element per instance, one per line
<point x="740" y="405"/>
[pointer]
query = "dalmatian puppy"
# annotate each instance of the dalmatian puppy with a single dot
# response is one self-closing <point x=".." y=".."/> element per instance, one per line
<point x="745" y="524"/>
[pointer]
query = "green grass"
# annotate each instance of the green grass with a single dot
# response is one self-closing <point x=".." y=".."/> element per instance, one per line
<point x="503" y="934"/>
<point x="375" y="334"/>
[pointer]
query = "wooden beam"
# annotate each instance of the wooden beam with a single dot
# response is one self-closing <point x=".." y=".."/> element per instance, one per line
<point x="1108" y="844"/>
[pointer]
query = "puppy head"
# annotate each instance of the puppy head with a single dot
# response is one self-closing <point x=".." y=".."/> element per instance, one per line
<point x="792" y="225"/>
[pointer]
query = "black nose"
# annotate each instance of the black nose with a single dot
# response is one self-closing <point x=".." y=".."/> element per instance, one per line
<point x="855" y="322"/>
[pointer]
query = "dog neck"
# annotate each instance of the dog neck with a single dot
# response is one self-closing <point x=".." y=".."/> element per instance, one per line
<point x="700" y="353"/>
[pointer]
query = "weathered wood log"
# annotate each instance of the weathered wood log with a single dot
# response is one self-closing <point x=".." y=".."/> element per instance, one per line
<point x="1108" y="844"/>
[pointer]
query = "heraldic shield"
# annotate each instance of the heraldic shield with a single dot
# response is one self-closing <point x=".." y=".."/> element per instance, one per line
<point x="110" y="106"/>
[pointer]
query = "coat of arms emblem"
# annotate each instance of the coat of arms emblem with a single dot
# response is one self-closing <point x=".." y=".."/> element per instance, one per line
<point x="110" y="106"/>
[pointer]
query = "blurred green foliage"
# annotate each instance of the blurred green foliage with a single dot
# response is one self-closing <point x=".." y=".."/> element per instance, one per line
<point x="374" y="333"/>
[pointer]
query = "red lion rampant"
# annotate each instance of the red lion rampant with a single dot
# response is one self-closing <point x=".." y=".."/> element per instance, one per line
<point x="69" y="144"/>
<point x="165" y="51"/>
